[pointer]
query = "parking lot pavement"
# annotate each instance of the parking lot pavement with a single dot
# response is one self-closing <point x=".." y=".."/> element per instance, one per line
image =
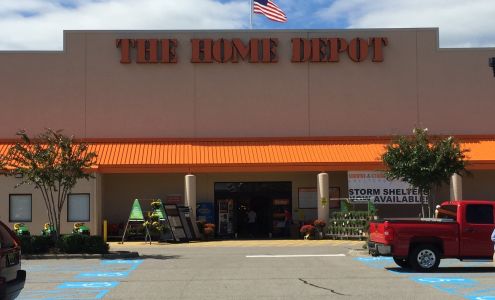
<point x="251" y="271"/>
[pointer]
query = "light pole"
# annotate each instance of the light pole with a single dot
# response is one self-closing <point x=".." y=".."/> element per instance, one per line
<point x="491" y="64"/>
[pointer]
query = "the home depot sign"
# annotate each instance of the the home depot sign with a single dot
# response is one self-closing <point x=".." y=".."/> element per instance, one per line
<point x="153" y="51"/>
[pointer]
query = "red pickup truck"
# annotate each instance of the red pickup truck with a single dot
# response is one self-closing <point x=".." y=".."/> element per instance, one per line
<point x="461" y="230"/>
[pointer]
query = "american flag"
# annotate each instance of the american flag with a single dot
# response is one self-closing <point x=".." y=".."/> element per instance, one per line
<point x="270" y="10"/>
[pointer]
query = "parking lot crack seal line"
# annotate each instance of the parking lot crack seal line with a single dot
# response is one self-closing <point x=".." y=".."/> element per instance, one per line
<point x="320" y="287"/>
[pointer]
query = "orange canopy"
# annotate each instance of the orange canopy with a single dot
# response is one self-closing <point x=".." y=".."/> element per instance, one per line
<point x="257" y="154"/>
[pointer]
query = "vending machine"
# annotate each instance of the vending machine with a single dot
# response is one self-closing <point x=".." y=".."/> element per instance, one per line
<point x="225" y="209"/>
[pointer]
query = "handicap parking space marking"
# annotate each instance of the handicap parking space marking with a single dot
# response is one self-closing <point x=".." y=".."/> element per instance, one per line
<point x="378" y="262"/>
<point x="441" y="280"/>
<point x="466" y="288"/>
<point x="480" y="297"/>
<point x="62" y="294"/>
<point x="97" y="276"/>
<point x="89" y="285"/>
<point x="488" y="294"/>
<point x="122" y="261"/>
<point x="102" y="274"/>
<point x="373" y="259"/>
<point x="133" y="263"/>
<point x="451" y="285"/>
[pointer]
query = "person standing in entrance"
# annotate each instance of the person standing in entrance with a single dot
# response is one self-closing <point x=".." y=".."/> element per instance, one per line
<point x="287" y="222"/>
<point x="493" y="241"/>
<point x="251" y="222"/>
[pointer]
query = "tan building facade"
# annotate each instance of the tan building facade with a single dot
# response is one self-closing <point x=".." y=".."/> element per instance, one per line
<point x="235" y="107"/>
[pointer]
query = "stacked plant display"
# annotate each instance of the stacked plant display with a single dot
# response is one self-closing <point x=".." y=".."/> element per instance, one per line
<point x="155" y="222"/>
<point x="349" y="225"/>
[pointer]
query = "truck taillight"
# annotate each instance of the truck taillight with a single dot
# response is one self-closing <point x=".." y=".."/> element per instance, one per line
<point x="388" y="232"/>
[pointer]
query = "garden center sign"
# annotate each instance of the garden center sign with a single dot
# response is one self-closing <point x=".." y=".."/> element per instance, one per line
<point x="372" y="185"/>
<point x="153" y="51"/>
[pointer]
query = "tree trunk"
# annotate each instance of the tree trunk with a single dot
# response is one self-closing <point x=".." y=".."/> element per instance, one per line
<point x="431" y="202"/>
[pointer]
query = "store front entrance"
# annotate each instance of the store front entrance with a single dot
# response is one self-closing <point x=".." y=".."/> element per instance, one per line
<point x="252" y="209"/>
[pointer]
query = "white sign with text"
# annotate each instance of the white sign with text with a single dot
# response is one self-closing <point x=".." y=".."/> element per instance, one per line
<point x="372" y="185"/>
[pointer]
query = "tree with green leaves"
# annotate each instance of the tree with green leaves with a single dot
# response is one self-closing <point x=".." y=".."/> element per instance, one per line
<point x="424" y="162"/>
<point x="53" y="163"/>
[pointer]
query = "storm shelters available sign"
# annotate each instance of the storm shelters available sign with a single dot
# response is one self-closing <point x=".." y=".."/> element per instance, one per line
<point x="372" y="185"/>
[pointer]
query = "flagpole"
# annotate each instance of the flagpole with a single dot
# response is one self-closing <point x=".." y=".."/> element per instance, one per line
<point x="251" y="14"/>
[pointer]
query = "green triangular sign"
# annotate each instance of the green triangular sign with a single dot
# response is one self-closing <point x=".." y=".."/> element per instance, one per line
<point x="136" y="212"/>
<point x="161" y="212"/>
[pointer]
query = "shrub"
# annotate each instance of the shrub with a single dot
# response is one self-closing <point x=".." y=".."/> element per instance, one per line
<point x="36" y="244"/>
<point x="95" y="245"/>
<point x="26" y="244"/>
<point x="41" y="244"/>
<point x="72" y="243"/>
<point x="79" y="243"/>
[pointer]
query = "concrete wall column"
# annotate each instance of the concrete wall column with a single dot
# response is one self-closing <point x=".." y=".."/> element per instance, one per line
<point x="190" y="193"/>
<point x="322" y="194"/>
<point x="98" y="205"/>
<point x="456" y="187"/>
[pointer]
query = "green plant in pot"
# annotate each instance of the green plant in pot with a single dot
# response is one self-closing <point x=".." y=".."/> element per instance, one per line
<point x="319" y="225"/>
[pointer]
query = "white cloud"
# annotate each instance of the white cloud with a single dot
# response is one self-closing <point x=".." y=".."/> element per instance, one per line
<point x="462" y="23"/>
<point x="43" y="28"/>
<point x="39" y="24"/>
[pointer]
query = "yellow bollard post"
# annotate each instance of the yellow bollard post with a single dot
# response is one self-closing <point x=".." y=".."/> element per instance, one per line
<point x="105" y="231"/>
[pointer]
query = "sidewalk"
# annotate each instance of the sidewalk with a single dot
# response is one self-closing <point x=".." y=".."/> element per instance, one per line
<point x="239" y="244"/>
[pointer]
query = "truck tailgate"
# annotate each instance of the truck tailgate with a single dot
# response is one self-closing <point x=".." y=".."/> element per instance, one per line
<point x="376" y="232"/>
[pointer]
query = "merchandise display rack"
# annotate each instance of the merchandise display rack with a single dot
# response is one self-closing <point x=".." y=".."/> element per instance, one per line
<point x="351" y="225"/>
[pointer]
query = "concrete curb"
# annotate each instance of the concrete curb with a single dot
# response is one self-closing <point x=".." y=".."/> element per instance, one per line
<point x="110" y="255"/>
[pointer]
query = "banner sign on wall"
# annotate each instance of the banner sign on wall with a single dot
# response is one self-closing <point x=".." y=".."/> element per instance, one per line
<point x="372" y="185"/>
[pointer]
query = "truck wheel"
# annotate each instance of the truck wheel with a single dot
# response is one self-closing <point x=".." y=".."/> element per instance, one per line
<point x="424" y="258"/>
<point x="402" y="262"/>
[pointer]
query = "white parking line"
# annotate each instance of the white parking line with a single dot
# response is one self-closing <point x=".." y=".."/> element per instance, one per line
<point x="294" y="255"/>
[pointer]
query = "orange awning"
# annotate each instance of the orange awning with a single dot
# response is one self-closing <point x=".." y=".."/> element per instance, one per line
<point x="257" y="155"/>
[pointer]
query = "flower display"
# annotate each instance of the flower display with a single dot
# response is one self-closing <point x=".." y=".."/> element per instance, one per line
<point x="307" y="229"/>
<point x="209" y="230"/>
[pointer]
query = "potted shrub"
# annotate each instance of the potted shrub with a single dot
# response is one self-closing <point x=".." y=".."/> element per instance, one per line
<point x="319" y="225"/>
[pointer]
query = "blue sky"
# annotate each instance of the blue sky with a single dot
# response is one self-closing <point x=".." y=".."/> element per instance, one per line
<point x="39" y="24"/>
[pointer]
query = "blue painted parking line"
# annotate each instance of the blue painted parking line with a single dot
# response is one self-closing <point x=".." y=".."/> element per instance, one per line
<point x="102" y="274"/>
<point x="481" y="297"/>
<point x="442" y="280"/>
<point x="374" y="259"/>
<point x="91" y="285"/>
<point x="62" y="294"/>
<point x="134" y="263"/>
<point x="122" y="262"/>
<point x="451" y="285"/>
